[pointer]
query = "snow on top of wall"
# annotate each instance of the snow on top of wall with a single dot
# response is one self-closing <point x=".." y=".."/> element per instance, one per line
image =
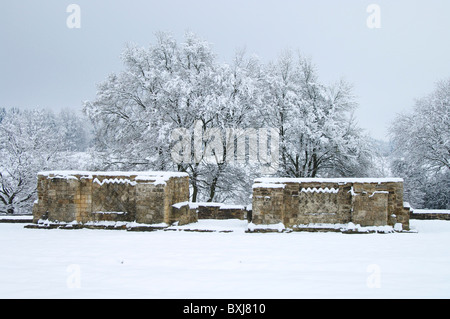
<point x="195" y="205"/>
<point x="320" y="190"/>
<point x="113" y="181"/>
<point x="431" y="211"/>
<point x="157" y="177"/>
<point x="274" y="184"/>
<point x="378" y="192"/>
<point x="271" y="180"/>
<point x="228" y="206"/>
<point x="107" y="213"/>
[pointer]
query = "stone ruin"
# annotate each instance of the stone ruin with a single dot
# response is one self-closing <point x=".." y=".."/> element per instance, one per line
<point x="141" y="197"/>
<point x="301" y="202"/>
<point x="160" y="199"/>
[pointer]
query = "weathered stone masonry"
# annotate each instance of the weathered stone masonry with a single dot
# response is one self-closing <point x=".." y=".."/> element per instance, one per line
<point x="303" y="201"/>
<point x="143" y="197"/>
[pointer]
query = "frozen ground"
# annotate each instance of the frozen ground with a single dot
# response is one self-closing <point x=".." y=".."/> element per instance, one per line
<point x="37" y="263"/>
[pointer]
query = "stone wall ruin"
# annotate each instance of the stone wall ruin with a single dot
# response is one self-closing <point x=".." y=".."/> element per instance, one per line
<point x="163" y="198"/>
<point x="141" y="197"/>
<point x="305" y="201"/>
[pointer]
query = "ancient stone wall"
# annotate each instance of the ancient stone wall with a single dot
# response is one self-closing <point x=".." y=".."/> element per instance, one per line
<point x="163" y="198"/>
<point x="300" y="201"/>
<point x="144" y="197"/>
<point x="219" y="211"/>
<point x="211" y="210"/>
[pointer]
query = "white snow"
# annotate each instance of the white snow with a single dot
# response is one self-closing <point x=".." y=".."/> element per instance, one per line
<point x="273" y="180"/>
<point x="113" y="181"/>
<point x="140" y="175"/>
<point x="352" y="191"/>
<point x="268" y="185"/>
<point x="320" y="190"/>
<point x="231" y="206"/>
<point x="431" y="211"/>
<point x="180" y="204"/>
<point x="88" y="263"/>
<point x="195" y="205"/>
<point x="352" y="227"/>
<point x="107" y="213"/>
<point x="231" y="225"/>
<point x="278" y="227"/>
<point x="16" y="217"/>
<point x="153" y="177"/>
<point x="378" y="192"/>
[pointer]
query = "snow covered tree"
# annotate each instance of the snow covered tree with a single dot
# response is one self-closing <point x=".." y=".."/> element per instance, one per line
<point x="75" y="129"/>
<point x="181" y="89"/>
<point x="2" y="113"/>
<point x="165" y="87"/>
<point x="318" y="136"/>
<point x="29" y="141"/>
<point x="422" y="149"/>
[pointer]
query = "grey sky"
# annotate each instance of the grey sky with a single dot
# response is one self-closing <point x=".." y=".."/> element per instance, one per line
<point x="44" y="63"/>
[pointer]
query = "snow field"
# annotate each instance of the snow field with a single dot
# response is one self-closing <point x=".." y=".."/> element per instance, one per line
<point x="85" y="263"/>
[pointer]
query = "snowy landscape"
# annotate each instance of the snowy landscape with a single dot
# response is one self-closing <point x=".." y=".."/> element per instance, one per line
<point x="227" y="95"/>
<point x="180" y="264"/>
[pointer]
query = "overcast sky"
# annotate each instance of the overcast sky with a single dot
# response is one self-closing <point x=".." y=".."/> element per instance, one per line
<point x="43" y="63"/>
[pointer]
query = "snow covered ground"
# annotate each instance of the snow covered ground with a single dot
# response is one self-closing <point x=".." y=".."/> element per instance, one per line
<point x="84" y="263"/>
